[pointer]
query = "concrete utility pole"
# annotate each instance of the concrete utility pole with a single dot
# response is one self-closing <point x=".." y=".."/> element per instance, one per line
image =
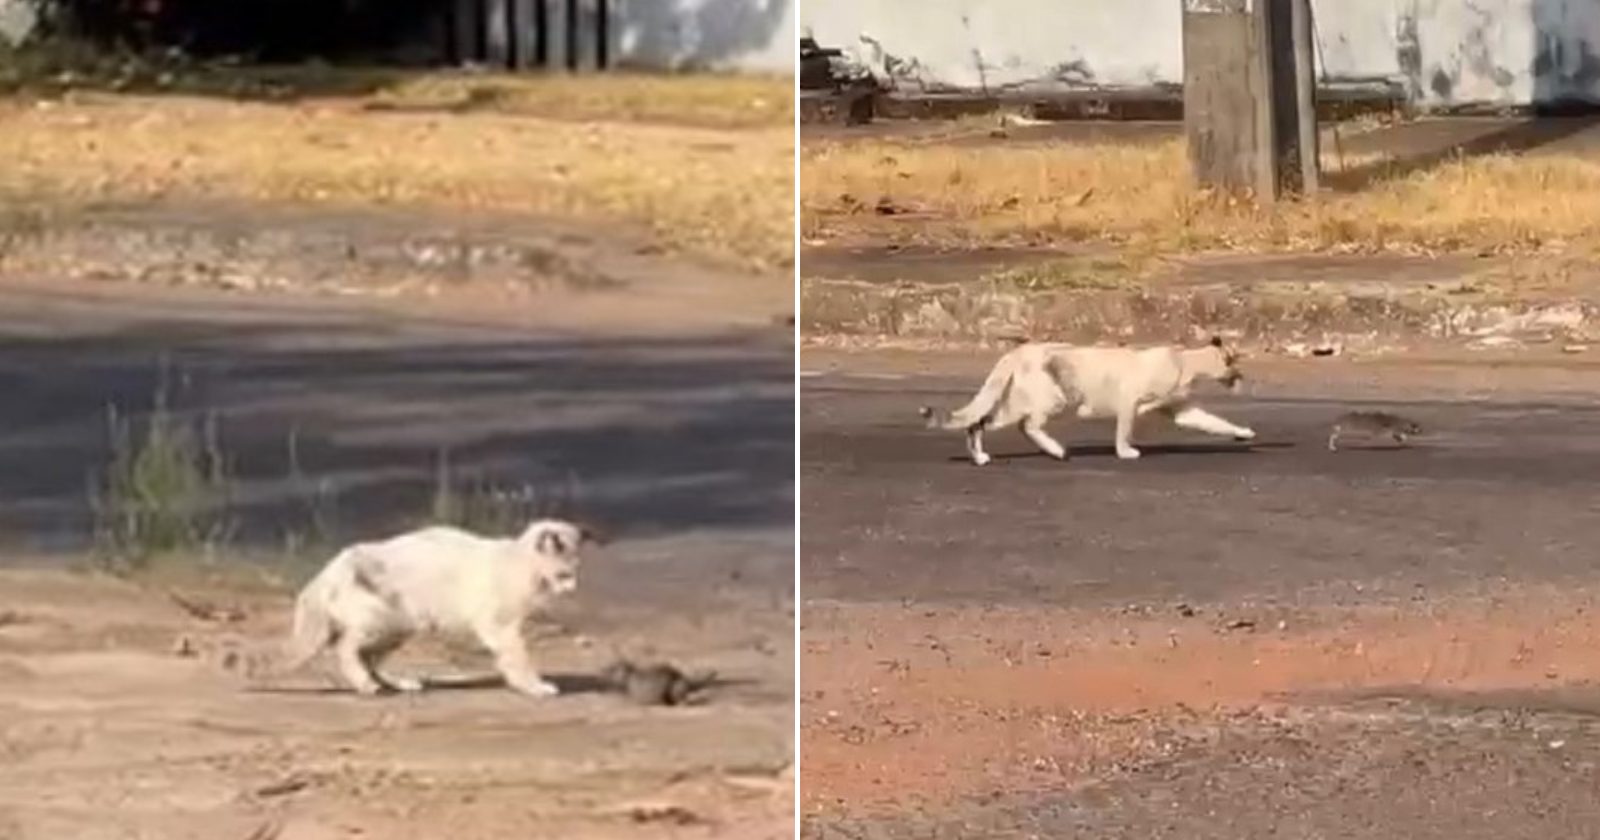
<point x="1304" y="44"/>
<point x="1249" y="96"/>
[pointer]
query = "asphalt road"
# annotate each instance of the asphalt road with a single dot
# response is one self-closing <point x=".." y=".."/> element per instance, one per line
<point x="1498" y="497"/>
<point x="679" y="443"/>
<point x="1495" y="491"/>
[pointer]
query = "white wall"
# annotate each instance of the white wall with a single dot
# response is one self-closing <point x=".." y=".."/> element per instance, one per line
<point x="16" y="20"/>
<point x="756" y="35"/>
<point x="1443" y="51"/>
<point x="1000" y="44"/>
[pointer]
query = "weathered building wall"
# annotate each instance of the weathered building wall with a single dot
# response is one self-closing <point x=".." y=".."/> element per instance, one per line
<point x="16" y="21"/>
<point x="998" y="44"/>
<point x="1443" y="52"/>
<point x="756" y="35"/>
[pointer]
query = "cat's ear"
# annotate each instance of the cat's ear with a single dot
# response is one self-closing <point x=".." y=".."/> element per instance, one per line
<point x="593" y="534"/>
<point x="551" y="542"/>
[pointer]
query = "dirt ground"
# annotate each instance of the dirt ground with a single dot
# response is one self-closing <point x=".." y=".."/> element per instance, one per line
<point x="1215" y="641"/>
<point x="929" y="704"/>
<point x="122" y="718"/>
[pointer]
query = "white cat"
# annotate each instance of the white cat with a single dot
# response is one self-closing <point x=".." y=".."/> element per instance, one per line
<point x="1035" y="382"/>
<point x="374" y="596"/>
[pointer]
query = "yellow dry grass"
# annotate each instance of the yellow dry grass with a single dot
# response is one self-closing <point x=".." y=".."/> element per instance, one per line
<point x="1141" y="195"/>
<point x="719" y="191"/>
<point x="709" y="101"/>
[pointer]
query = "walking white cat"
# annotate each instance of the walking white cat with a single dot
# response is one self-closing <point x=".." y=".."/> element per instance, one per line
<point x="1035" y="382"/>
<point x="372" y="597"/>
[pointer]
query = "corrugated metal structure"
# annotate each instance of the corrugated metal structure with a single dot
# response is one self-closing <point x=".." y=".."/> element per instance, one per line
<point x="752" y="35"/>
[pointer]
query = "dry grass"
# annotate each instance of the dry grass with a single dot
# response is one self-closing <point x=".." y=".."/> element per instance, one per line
<point x="1141" y="196"/>
<point x="709" y="101"/>
<point x="607" y="155"/>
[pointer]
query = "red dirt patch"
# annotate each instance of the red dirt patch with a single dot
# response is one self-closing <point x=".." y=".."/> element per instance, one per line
<point x="906" y="703"/>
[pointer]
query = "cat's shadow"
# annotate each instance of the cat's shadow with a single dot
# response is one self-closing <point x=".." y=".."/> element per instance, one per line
<point x="1146" y="450"/>
<point x="566" y="683"/>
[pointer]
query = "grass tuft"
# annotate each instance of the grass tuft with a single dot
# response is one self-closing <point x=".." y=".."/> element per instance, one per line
<point x="165" y="492"/>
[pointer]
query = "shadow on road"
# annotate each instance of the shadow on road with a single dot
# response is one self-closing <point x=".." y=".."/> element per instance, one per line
<point x="661" y="435"/>
<point x="1434" y="144"/>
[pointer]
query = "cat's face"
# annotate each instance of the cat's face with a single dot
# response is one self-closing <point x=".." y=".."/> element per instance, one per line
<point x="1226" y="362"/>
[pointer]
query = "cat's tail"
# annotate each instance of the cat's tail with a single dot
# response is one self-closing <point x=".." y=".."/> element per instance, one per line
<point x="313" y="627"/>
<point x="983" y="404"/>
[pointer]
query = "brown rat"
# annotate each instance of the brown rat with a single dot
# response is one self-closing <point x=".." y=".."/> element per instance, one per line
<point x="1374" y="423"/>
<point x="657" y="684"/>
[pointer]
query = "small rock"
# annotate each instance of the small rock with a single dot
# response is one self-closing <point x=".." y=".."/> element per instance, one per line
<point x="1574" y="348"/>
<point x="1557" y="744"/>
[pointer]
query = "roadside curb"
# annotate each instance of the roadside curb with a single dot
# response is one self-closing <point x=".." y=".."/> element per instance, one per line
<point x="1298" y="318"/>
<point x="539" y="267"/>
<point x="854" y="104"/>
<point x="251" y="247"/>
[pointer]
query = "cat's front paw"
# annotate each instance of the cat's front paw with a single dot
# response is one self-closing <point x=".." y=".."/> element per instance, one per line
<point x="536" y="688"/>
